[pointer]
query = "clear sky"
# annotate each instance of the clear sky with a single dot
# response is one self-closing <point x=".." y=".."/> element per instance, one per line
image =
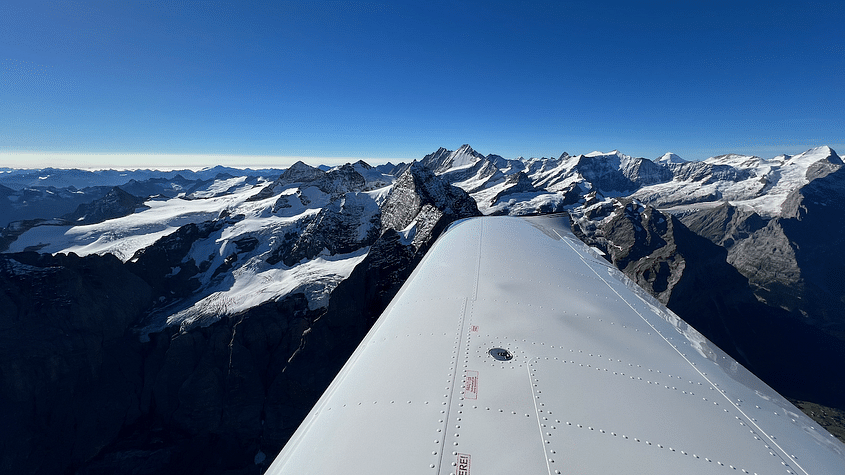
<point x="199" y="83"/>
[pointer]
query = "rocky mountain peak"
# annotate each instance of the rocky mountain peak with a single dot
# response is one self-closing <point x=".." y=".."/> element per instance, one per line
<point x="340" y="180"/>
<point x="443" y="160"/>
<point x="116" y="203"/>
<point x="300" y="172"/>
<point x="465" y="148"/>
<point x="362" y="164"/>
<point x="419" y="191"/>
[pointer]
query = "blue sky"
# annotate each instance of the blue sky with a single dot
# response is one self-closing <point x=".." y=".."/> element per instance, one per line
<point x="173" y="83"/>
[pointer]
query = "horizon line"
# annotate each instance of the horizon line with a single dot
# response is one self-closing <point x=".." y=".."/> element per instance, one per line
<point x="94" y="161"/>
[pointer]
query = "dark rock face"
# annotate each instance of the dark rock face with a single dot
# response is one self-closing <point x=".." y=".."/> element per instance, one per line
<point x="792" y="261"/>
<point x="156" y="264"/>
<point x="117" y="203"/>
<point x="639" y="241"/>
<point x="169" y="187"/>
<point x="795" y="262"/>
<point x="341" y="180"/>
<point x="724" y="225"/>
<point x="420" y="195"/>
<point x="69" y="376"/>
<point x="84" y="396"/>
<point x="345" y="225"/>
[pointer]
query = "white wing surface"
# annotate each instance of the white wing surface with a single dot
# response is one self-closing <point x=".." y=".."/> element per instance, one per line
<point x="512" y="349"/>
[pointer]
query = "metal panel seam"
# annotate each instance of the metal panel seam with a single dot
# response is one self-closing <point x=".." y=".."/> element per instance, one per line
<point x="454" y="385"/>
<point x="478" y="260"/>
<point x="537" y="415"/>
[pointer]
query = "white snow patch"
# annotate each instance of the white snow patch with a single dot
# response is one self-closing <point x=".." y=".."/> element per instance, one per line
<point x="380" y="195"/>
<point x="406" y="236"/>
<point x="253" y="286"/>
<point x="219" y="186"/>
<point x="126" y="235"/>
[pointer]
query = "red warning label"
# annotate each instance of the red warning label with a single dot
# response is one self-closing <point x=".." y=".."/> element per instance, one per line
<point x="471" y="385"/>
<point x="463" y="464"/>
<point x="473" y="328"/>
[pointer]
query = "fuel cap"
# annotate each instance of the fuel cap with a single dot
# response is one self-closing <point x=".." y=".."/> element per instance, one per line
<point x="501" y="354"/>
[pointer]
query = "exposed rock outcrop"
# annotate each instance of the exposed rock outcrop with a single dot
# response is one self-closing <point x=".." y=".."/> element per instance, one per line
<point x="419" y="197"/>
<point x="723" y="225"/>
<point x="345" y="225"/>
<point x="115" y="204"/>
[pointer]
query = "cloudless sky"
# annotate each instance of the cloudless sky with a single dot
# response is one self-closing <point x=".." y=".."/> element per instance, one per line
<point x="109" y="83"/>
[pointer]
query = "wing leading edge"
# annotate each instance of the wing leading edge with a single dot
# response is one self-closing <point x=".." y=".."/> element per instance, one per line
<point x="513" y="349"/>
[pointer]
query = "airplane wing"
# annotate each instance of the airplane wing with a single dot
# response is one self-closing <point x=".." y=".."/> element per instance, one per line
<point x="512" y="348"/>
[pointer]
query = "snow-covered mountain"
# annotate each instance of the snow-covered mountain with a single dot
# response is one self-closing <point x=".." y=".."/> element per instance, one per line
<point x="306" y="228"/>
<point x="242" y="243"/>
<point x="260" y="238"/>
<point x="752" y="183"/>
<point x="758" y="209"/>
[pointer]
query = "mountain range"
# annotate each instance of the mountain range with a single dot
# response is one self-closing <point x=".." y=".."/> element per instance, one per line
<point x="152" y="317"/>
